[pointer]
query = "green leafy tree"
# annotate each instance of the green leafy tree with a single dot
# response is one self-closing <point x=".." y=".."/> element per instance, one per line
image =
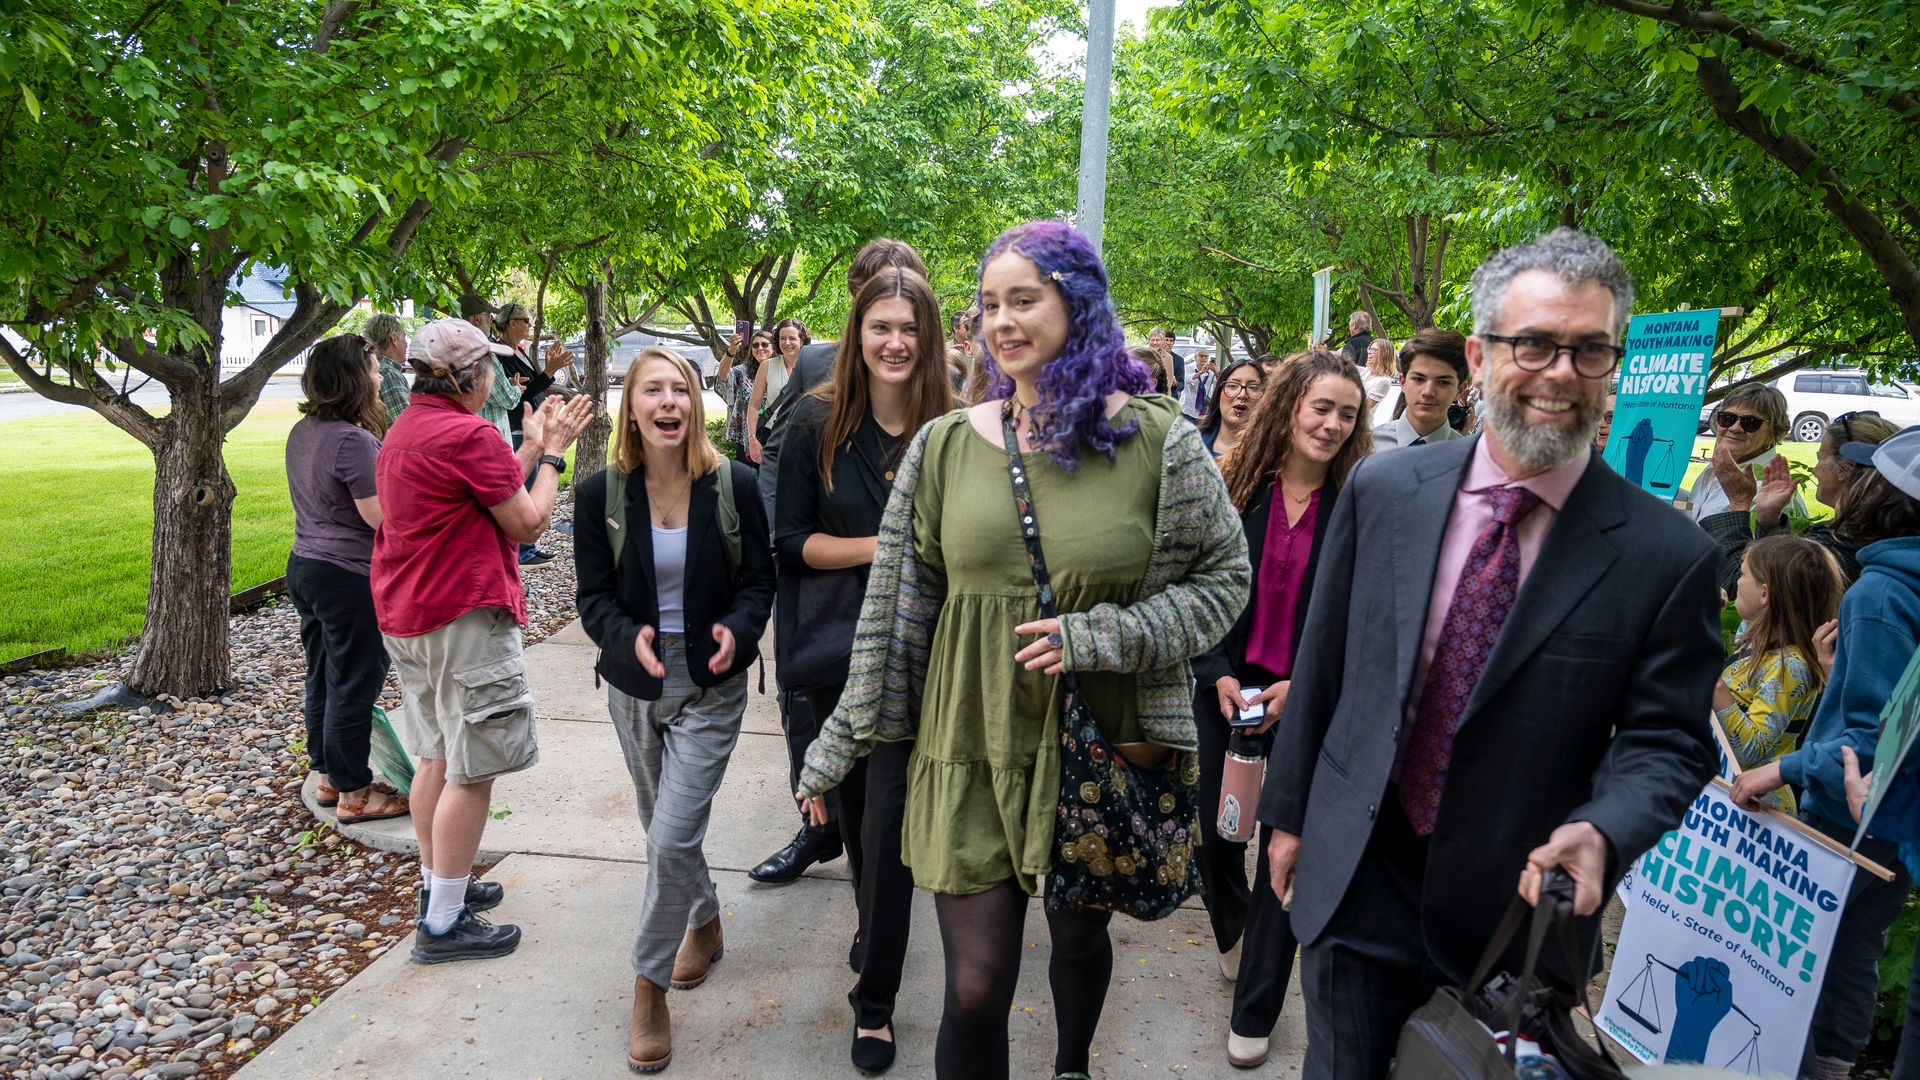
<point x="154" y="151"/>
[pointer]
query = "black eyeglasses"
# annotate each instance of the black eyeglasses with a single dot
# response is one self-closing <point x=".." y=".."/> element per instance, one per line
<point x="1749" y="424"/>
<point x="1845" y="423"/>
<point x="1591" y="359"/>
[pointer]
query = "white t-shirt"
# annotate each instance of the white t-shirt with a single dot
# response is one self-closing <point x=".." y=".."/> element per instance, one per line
<point x="669" y="577"/>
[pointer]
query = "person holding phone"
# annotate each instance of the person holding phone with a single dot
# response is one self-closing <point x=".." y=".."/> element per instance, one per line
<point x="1304" y="437"/>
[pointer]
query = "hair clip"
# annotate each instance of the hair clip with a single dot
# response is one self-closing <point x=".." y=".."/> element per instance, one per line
<point x="1058" y="276"/>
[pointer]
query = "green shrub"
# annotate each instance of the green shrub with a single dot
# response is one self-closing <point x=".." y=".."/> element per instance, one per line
<point x="716" y="430"/>
<point x="1896" y="969"/>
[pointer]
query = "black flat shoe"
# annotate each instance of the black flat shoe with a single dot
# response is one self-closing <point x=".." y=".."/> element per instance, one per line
<point x="469" y="938"/>
<point x="870" y="1055"/>
<point x="808" y="846"/>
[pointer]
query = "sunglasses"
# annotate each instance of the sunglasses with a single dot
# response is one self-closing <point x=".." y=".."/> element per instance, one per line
<point x="1749" y="424"/>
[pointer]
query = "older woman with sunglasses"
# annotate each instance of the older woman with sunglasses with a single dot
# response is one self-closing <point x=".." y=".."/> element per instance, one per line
<point x="1758" y="508"/>
<point x="1748" y="425"/>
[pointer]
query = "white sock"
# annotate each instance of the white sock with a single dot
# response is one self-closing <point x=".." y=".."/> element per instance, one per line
<point x="444" y="899"/>
<point x="426" y="877"/>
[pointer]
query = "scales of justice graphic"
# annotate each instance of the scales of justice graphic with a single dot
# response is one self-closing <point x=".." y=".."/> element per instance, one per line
<point x="1640" y="1001"/>
<point x="1639" y="447"/>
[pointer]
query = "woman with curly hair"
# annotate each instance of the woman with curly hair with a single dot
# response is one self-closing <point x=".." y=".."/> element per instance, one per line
<point x="1306" y="434"/>
<point x="953" y="655"/>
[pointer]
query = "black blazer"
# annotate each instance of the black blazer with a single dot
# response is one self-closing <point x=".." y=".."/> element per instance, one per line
<point x="1593" y="706"/>
<point x="614" y="609"/>
<point x="1229" y="657"/>
<point x="859" y="498"/>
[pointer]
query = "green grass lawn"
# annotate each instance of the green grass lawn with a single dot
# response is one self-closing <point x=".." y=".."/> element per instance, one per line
<point x="76" y="537"/>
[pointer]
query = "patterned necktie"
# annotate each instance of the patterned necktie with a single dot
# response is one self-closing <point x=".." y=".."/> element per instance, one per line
<point x="1488" y="582"/>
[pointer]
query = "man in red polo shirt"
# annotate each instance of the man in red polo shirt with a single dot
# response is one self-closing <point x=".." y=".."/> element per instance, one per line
<point x="446" y="589"/>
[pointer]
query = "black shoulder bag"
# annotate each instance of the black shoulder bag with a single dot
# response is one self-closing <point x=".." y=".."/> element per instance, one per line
<point x="1123" y="835"/>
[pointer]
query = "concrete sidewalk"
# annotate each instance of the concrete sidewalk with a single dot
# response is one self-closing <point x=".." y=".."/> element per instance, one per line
<point x="572" y="858"/>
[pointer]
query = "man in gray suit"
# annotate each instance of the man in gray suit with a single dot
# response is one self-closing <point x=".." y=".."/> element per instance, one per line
<point x="1433" y="368"/>
<point x="1507" y="667"/>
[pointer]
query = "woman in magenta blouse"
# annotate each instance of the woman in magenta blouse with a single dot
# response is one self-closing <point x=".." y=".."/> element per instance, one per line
<point x="1304" y="437"/>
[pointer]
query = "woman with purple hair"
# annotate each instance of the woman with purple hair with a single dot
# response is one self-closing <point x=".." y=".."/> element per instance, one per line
<point x="1148" y="568"/>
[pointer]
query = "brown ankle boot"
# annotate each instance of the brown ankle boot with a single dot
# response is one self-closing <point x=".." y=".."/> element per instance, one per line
<point x="697" y="953"/>
<point x="650" y="1046"/>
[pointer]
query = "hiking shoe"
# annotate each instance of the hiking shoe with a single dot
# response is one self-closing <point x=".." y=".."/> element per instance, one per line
<point x="481" y="896"/>
<point x="536" y="557"/>
<point x="469" y="938"/>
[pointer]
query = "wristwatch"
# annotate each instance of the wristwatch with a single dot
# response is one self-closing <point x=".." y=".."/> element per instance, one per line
<point x="559" y="463"/>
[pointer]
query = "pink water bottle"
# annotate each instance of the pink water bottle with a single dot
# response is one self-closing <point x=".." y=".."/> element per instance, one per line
<point x="1240" y="781"/>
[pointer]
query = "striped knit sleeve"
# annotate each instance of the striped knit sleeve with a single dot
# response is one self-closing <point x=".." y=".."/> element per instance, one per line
<point x="1199" y="530"/>
<point x="891" y="642"/>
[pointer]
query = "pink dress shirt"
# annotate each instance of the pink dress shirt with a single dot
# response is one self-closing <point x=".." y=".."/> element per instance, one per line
<point x="1472" y="513"/>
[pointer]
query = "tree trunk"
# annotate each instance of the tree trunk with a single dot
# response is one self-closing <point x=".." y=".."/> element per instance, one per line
<point x="590" y="455"/>
<point x="192" y="550"/>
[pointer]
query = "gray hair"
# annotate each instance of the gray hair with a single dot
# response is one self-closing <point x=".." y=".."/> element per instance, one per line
<point x="1575" y="257"/>
<point x="381" y="328"/>
<point x="1767" y="403"/>
<point x="454" y="383"/>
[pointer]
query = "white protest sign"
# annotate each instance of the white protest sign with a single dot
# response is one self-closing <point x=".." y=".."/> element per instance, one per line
<point x="1729" y="920"/>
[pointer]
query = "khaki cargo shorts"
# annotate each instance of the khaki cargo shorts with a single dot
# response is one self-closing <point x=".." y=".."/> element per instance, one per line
<point x="466" y="701"/>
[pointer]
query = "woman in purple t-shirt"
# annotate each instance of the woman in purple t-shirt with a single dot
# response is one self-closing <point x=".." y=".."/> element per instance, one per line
<point x="330" y="456"/>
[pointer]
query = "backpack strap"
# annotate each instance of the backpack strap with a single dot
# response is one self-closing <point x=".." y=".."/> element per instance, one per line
<point x="616" y="513"/>
<point x="729" y="514"/>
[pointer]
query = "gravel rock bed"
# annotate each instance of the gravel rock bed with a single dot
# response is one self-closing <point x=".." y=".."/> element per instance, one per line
<point x="167" y="906"/>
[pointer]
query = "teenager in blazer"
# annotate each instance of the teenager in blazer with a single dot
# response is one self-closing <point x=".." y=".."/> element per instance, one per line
<point x="677" y="624"/>
<point x="843" y="445"/>
<point x="1284" y="475"/>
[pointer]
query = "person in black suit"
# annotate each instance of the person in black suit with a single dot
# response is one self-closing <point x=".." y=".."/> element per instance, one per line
<point x="813" y="367"/>
<point x="1303" y="438"/>
<point x="678" y="621"/>
<point x="1524" y="685"/>
<point x="843" y="443"/>
<point x="1359" y="339"/>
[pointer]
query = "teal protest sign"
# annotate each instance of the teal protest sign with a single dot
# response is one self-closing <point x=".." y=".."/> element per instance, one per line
<point x="1663" y="380"/>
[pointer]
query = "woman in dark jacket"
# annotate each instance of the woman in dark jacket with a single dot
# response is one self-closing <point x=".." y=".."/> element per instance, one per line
<point x="1283" y="476"/>
<point x="843" y="443"/>
<point x="677" y="609"/>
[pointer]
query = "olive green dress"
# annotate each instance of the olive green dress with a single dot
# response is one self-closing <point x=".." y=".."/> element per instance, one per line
<point x="983" y="781"/>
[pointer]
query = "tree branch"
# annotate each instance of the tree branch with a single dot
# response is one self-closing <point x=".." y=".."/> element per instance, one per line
<point x="1707" y="19"/>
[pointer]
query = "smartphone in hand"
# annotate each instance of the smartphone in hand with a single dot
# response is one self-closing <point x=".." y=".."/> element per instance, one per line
<point x="1251" y="715"/>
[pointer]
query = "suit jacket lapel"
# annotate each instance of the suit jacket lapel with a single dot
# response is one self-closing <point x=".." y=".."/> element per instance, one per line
<point x="640" y="528"/>
<point x="871" y="459"/>
<point x="1572" y="559"/>
<point x="1419" y="525"/>
<point x="702" y="516"/>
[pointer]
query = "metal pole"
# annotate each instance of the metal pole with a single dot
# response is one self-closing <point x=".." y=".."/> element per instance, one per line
<point x="1090" y="210"/>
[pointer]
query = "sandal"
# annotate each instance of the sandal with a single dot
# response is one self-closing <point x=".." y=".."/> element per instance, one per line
<point x="380" y="804"/>
<point x="326" y="794"/>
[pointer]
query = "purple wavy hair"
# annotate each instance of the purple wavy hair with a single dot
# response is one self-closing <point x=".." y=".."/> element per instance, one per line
<point x="1073" y="386"/>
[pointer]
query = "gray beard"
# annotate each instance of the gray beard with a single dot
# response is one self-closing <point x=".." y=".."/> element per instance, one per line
<point x="1539" y="447"/>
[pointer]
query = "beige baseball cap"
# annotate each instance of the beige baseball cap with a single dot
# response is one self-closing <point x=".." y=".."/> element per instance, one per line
<point x="445" y="346"/>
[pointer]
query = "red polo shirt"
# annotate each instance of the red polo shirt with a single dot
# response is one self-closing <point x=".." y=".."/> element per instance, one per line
<point x="438" y="553"/>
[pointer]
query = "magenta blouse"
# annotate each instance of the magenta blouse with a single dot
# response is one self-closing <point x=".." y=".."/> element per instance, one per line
<point x="1278" y="585"/>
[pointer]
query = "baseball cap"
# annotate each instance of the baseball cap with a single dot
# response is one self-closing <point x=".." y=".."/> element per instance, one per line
<point x="448" y="345"/>
<point x="471" y="305"/>
<point x="1897" y="457"/>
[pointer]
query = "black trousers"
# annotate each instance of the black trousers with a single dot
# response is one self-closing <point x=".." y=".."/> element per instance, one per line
<point x="1266" y="957"/>
<point x="1222" y="863"/>
<point x="346" y="666"/>
<point x="801" y="714"/>
<point x="1369" y="970"/>
<point x="873" y="807"/>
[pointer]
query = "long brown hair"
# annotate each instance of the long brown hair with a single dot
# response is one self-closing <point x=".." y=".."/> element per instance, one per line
<point x="1804" y="584"/>
<point x="629" y="446"/>
<point x="339" y="385"/>
<point x="1255" y="460"/>
<point x="847" y="394"/>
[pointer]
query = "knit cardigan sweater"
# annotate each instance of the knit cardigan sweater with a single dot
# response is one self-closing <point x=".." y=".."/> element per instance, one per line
<point x="1196" y="584"/>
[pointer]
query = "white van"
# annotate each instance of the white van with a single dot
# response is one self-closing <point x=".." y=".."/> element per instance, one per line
<point x="1814" y="398"/>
